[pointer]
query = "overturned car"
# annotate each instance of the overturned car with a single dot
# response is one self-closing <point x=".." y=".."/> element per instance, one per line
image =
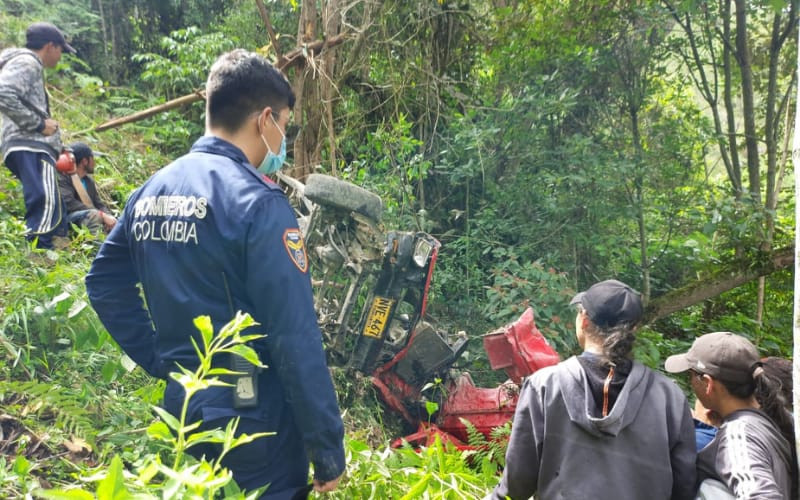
<point x="370" y="291"/>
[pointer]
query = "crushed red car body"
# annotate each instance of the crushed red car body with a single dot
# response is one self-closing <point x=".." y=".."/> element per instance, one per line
<point x="519" y="348"/>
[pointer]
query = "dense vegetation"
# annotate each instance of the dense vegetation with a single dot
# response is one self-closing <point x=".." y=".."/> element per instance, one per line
<point x="546" y="144"/>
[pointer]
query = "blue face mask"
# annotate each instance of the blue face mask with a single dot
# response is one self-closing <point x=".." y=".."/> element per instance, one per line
<point x="273" y="162"/>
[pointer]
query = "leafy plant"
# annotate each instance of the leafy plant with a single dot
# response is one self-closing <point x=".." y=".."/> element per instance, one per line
<point x="518" y="285"/>
<point x="189" y="55"/>
<point x="391" y="164"/>
<point x="439" y="471"/>
<point x="183" y="477"/>
<point x="489" y="453"/>
<point x="52" y="402"/>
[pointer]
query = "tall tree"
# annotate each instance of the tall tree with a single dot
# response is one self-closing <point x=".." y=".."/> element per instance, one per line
<point x="743" y="68"/>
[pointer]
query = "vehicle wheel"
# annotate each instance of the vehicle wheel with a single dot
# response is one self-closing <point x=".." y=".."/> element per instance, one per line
<point x="327" y="190"/>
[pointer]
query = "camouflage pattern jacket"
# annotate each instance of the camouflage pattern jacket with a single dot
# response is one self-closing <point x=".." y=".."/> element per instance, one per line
<point x="24" y="105"/>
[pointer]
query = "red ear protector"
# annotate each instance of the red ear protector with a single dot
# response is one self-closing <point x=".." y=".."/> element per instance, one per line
<point x="66" y="162"/>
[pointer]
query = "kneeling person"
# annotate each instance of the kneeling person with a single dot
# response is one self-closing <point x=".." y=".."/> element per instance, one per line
<point x="84" y="207"/>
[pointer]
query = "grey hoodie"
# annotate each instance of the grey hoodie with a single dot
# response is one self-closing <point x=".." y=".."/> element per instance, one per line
<point x="643" y="448"/>
<point x="24" y="104"/>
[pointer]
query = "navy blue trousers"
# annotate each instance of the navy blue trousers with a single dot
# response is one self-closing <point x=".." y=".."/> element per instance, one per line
<point x="249" y="467"/>
<point x="45" y="210"/>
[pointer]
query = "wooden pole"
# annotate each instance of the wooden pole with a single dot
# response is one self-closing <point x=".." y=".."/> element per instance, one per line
<point x="198" y="95"/>
<point x="796" y="322"/>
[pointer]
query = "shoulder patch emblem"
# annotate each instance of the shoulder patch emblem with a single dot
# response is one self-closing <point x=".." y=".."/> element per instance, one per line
<point x="296" y="248"/>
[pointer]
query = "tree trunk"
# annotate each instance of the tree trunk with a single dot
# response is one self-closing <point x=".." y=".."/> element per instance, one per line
<point x="273" y="40"/>
<point x="762" y="288"/>
<point x="104" y="31"/>
<point x="796" y="318"/>
<point x="332" y="22"/>
<point x="308" y="109"/>
<point x="706" y="79"/>
<point x="748" y="101"/>
<point x="730" y="111"/>
<point x="726" y="278"/>
<point x="638" y="199"/>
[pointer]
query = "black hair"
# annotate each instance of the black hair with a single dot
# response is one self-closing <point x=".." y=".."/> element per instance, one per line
<point x="767" y="391"/>
<point x="37" y="44"/>
<point x="80" y="150"/>
<point x="617" y="340"/>
<point x="780" y="369"/>
<point x="241" y="83"/>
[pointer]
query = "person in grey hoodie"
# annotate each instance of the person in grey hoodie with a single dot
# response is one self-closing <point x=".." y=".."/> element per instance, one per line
<point x="601" y="425"/>
<point x="30" y="140"/>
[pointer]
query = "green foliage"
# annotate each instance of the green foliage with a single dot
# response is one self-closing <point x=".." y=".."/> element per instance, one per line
<point x="438" y="471"/>
<point x="652" y="348"/>
<point x="518" y="286"/>
<point x="60" y="405"/>
<point x="184" y="477"/>
<point x="489" y="453"/>
<point x="189" y="54"/>
<point x="392" y="155"/>
<point x="505" y="132"/>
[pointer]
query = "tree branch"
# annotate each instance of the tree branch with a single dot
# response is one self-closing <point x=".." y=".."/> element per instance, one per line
<point x="262" y="9"/>
<point x="727" y="278"/>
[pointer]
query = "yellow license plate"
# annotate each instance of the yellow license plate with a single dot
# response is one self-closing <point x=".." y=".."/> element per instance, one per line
<point x="378" y="315"/>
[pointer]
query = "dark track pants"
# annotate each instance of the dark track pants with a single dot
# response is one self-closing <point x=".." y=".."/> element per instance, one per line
<point x="44" y="209"/>
<point x="287" y="479"/>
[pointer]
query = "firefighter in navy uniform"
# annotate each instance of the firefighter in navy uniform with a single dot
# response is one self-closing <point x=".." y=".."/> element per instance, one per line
<point x="209" y="235"/>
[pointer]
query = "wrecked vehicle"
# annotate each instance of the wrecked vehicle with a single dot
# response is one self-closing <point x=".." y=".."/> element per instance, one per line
<point x="371" y="290"/>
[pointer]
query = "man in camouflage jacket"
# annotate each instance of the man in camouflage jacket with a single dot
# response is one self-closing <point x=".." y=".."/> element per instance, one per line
<point x="30" y="140"/>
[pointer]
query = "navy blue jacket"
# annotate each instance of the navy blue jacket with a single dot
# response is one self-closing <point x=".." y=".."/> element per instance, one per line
<point x="207" y="235"/>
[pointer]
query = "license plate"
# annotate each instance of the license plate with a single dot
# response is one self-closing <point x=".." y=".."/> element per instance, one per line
<point x="378" y="315"/>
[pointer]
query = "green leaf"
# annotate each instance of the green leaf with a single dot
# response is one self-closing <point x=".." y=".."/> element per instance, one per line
<point x="212" y="436"/>
<point x="247" y="353"/>
<point x="109" y="370"/>
<point x="249" y="338"/>
<point x="417" y="490"/>
<point x="249" y="438"/>
<point x="186" y="429"/>
<point x="113" y="486"/>
<point x="147" y="473"/>
<point x="431" y="407"/>
<point x="778" y="5"/>
<point x="65" y="495"/>
<point x="203" y="323"/>
<point x="237" y="324"/>
<point x="159" y="430"/>
<point x="21" y="465"/>
<point x="171" y="421"/>
<point x="76" y="308"/>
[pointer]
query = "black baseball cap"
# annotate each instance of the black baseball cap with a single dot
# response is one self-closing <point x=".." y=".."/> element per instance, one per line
<point x="38" y="34"/>
<point x="610" y="303"/>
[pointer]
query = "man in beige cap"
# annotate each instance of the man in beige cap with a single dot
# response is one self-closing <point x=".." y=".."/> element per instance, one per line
<point x="751" y="453"/>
